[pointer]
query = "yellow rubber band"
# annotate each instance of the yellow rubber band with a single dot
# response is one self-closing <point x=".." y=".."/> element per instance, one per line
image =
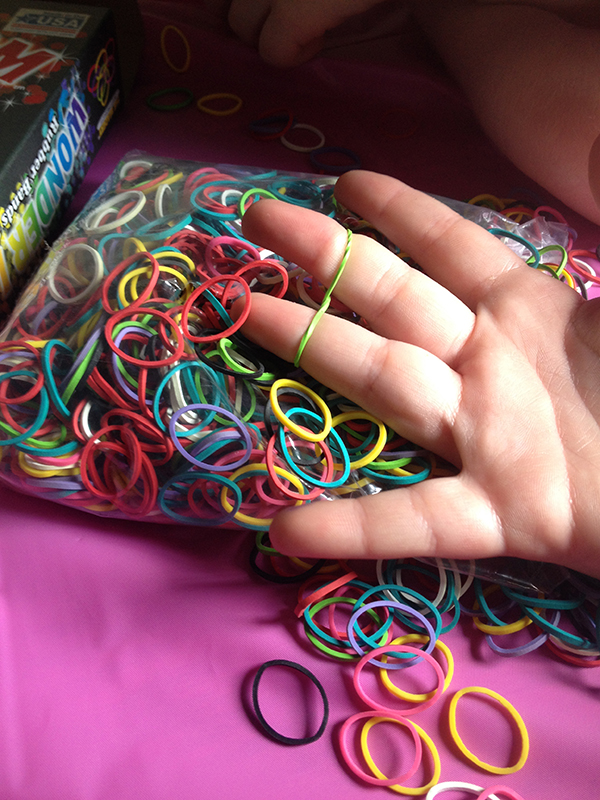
<point x="302" y="433"/>
<point x="174" y="178"/>
<point x="135" y="274"/>
<point x="437" y="767"/>
<point x="177" y="255"/>
<point x="513" y="713"/>
<point x="418" y="698"/>
<point x="186" y="44"/>
<point x="377" y="447"/>
<point x="352" y="487"/>
<point x="84" y="332"/>
<point x="499" y="630"/>
<point x="305" y="565"/>
<point x="27" y="467"/>
<point x="246" y="518"/>
<point x="219" y="112"/>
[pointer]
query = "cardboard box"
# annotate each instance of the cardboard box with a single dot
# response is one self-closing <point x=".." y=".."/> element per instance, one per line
<point x="59" y="89"/>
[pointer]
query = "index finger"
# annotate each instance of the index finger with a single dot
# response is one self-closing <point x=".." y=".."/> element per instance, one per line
<point x="456" y="253"/>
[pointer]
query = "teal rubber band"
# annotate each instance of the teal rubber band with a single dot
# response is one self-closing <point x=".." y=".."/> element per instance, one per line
<point x="297" y="192"/>
<point x="48" y="375"/>
<point x="311" y="610"/>
<point x="148" y="231"/>
<point x="159" y="391"/>
<point x="61" y="450"/>
<point x="543" y="602"/>
<point x="187" y="477"/>
<point x="400" y="592"/>
<point x="455" y="617"/>
<point x="398" y="480"/>
<point x="326" y="301"/>
<point x="40" y="418"/>
<point x="534" y="259"/>
<point x="565" y="636"/>
<point x="304" y="475"/>
<point x="218" y="306"/>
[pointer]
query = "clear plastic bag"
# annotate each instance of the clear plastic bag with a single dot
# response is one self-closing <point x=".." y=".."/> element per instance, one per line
<point x="127" y="389"/>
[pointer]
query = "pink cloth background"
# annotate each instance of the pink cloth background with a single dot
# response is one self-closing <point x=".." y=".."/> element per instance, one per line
<point x="127" y="650"/>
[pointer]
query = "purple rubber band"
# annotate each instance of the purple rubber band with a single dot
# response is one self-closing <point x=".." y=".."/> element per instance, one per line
<point x="222" y="413"/>
<point x="497" y="610"/>
<point x="389" y="604"/>
<point x="523" y="649"/>
<point x="207" y="441"/>
<point x="117" y="372"/>
<point x="19" y="353"/>
<point x="41" y="315"/>
<point x="91" y="341"/>
<point x="55" y="483"/>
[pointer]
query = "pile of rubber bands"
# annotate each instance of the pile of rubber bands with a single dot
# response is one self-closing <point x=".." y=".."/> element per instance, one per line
<point x="393" y="619"/>
<point x="127" y="389"/>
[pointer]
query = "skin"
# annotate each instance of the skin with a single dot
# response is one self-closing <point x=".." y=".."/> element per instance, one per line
<point x="529" y="69"/>
<point x="482" y="360"/>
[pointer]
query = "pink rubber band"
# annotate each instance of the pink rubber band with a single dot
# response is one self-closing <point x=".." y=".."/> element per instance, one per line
<point x="239" y="244"/>
<point x="394" y="717"/>
<point x="322" y="592"/>
<point x="502" y="790"/>
<point x="398" y="648"/>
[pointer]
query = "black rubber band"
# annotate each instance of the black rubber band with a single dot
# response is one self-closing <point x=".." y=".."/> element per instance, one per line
<point x="279" y="737"/>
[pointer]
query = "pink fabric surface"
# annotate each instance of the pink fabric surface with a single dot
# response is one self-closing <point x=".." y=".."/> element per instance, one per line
<point x="127" y="651"/>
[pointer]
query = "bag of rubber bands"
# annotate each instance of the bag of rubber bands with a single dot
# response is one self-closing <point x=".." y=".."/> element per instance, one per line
<point x="127" y="389"/>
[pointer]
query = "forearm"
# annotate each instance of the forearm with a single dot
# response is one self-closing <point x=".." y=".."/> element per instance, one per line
<point x="533" y="79"/>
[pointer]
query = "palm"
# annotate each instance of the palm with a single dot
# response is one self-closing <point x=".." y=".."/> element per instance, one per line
<point x="484" y="361"/>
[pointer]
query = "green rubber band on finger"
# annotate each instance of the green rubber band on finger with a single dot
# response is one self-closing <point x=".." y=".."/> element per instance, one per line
<point x="326" y="301"/>
<point x="254" y="192"/>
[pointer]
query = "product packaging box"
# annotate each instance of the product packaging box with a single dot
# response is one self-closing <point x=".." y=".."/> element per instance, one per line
<point x="59" y="90"/>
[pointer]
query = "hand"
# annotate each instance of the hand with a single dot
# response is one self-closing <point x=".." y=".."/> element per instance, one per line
<point x="483" y="360"/>
<point x="286" y="32"/>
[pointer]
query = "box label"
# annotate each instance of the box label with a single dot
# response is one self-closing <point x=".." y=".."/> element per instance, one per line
<point x="62" y="155"/>
<point x="50" y="23"/>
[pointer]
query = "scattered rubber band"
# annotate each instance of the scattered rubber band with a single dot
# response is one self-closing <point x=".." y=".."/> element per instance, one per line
<point x="492" y="792"/>
<point x="272" y="125"/>
<point x="334" y="168"/>
<point x="513" y="713"/>
<point x="456" y="786"/>
<point x="279" y="737"/>
<point x="399" y="648"/>
<point x="186" y="44"/>
<point x="219" y="112"/>
<point x="303" y="148"/>
<point x="376" y="718"/>
<point x="413" y="697"/>
<point x="406" y="790"/>
<point x="188" y="97"/>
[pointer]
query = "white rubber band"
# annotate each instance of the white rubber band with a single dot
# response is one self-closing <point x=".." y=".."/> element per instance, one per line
<point x="303" y="148"/>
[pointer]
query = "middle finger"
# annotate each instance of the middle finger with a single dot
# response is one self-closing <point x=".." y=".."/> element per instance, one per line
<point x="397" y="301"/>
